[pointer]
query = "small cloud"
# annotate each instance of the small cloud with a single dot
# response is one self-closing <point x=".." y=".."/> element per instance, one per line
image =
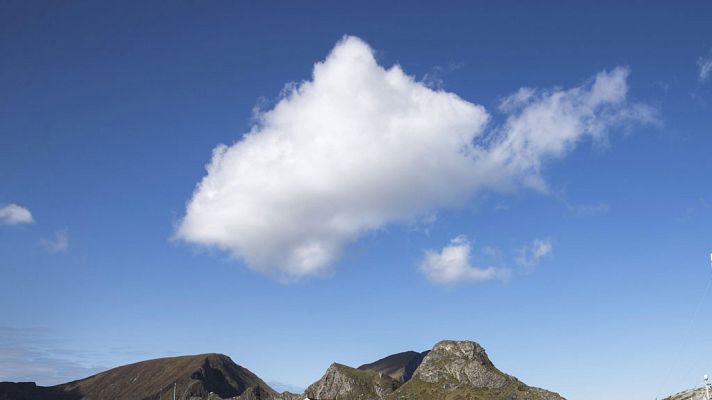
<point x="588" y="210"/>
<point x="423" y="224"/>
<point x="12" y="214"/>
<point x="501" y="207"/>
<point x="492" y="252"/>
<point x="452" y="265"/>
<point x="704" y="64"/>
<point x="58" y="244"/>
<point x="531" y="254"/>
<point x="700" y="206"/>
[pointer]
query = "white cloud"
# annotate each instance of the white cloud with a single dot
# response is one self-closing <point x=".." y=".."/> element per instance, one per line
<point x="546" y="125"/>
<point x="12" y="214"/>
<point x="58" y="244"/>
<point x="452" y="265"/>
<point x="705" y="67"/>
<point x="531" y="254"/>
<point x="360" y="146"/>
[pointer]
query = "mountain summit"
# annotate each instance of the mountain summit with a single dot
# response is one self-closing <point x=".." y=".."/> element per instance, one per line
<point x="198" y="376"/>
<point x="194" y="376"/>
<point x="452" y="370"/>
<point x="462" y="370"/>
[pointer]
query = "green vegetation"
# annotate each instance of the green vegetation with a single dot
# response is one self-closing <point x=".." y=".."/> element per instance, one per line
<point x="416" y="389"/>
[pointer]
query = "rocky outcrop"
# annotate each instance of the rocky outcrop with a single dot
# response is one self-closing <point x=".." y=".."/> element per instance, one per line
<point x="400" y="366"/>
<point x="454" y="364"/>
<point x="289" y="396"/>
<point x="690" y="394"/>
<point x="345" y="383"/>
<point x="462" y="370"/>
<point x="452" y="370"/>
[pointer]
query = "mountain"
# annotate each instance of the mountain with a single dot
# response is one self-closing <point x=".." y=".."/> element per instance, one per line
<point x="462" y="370"/>
<point x="193" y="375"/>
<point x="345" y="383"/>
<point x="202" y="376"/>
<point x="452" y="370"/>
<point x="400" y="366"/>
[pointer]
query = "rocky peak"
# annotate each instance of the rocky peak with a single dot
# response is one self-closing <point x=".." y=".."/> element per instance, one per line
<point x="345" y="383"/>
<point x="461" y="349"/>
<point x="457" y="363"/>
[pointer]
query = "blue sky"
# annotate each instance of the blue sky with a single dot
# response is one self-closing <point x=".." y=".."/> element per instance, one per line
<point x="109" y="114"/>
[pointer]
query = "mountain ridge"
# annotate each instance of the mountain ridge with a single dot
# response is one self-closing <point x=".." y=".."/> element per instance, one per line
<point x="451" y="370"/>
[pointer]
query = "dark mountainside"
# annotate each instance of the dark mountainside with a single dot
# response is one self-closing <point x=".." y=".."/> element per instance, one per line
<point x="399" y="366"/>
<point x="194" y="376"/>
<point x="452" y="370"/>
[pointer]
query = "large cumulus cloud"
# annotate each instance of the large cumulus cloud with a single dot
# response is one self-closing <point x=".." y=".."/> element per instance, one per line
<point x="360" y="146"/>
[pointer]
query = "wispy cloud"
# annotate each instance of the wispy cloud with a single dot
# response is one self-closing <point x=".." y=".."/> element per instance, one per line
<point x="701" y="205"/>
<point x="434" y="78"/>
<point x="58" y="244"/>
<point x="588" y="210"/>
<point x="360" y="146"/>
<point x="452" y="264"/>
<point x="12" y="214"/>
<point x="704" y="65"/>
<point x="530" y="254"/>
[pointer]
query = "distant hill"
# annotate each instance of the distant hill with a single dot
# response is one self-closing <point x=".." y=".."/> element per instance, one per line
<point x="452" y="370"/>
<point x="193" y="376"/>
<point x="30" y="391"/>
<point x="196" y="375"/>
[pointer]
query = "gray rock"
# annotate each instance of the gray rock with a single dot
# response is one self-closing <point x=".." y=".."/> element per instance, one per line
<point x="455" y="370"/>
<point x="290" y="396"/>
<point x="460" y="363"/>
<point x="345" y="383"/>
<point x="690" y="394"/>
